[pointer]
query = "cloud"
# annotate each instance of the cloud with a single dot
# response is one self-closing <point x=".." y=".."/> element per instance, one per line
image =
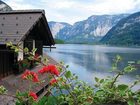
<point x="113" y="6"/>
<point x="75" y="10"/>
<point x="19" y="4"/>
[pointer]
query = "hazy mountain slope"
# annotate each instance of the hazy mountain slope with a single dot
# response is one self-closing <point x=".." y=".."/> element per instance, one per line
<point x="89" y="30"/>
<point x="4" y="6"/>
<point x="60" y="30"/>
<point x="126" y="32"/>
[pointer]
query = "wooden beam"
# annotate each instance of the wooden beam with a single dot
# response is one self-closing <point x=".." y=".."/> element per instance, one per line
<point x="3" y="50"/>
<point x="49" y="47"/>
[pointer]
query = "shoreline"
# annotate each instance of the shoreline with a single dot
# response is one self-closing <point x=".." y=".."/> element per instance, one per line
<point x="132" y="46"/>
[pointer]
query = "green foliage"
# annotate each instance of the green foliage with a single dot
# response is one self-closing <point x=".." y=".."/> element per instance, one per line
<point x="2" y="90"/>
<point x="26" y="50"/>
<point x="8" y="44"/>
<point x="50" y="100"/>
<point x="129" y="68"/>
<point x="72" y="91"/>
<point x="109" y="91"/>
<point x="59" y="41"/>
<point x="68" y="74"/>
<point x="42" y="101"/>
<point x="69" y="90"/>
<point x="122" y="87"/>
<point x="106" y="90"/>
<point x="131" y="102"/>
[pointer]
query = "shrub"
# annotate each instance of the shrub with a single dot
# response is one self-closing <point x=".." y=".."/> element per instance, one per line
<point x="67" y="89"/>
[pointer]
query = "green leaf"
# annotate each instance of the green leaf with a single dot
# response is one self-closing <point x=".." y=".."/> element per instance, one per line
<point x="30" y="58"/>
<point x="19" y="103"/>
<point x="118" y="57"/>
<point x="68" y="74"/>
<point x="2" y="89"/>
<point x="102" y="80"/>
<point x="76" y="77"/>
<point x="16" y="50"/>
<point x="26" y="50"/>
<point x="131" y="102"/>
<point x="24" y="65"/>
<point x="96" y="79"/>
<point x="67" y="66"/>
<point x="34" y="50"/>
<point x="50" y="101"/>
<point x="13" y="47"/>
<point x="42" y="101"/>
<point x="9" y="44"/>
<point x="96" y="85"/>
<point x="99" y="92"/>
<point x="123" y="87"/>
<point x="129" y="69"/>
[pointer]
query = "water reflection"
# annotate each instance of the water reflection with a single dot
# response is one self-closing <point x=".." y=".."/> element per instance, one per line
<point x="88" y="61"/>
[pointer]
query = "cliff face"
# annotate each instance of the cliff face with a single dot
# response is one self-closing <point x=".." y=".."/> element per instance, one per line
<point x="60" y="30"/>
<point x="126" y="32"/>
<point x="89" y="30"/>
<point x="4" y="7"/>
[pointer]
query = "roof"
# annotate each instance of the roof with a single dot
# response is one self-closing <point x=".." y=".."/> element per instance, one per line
<point x="16" y="25"/>
<point x="23" y="11"/>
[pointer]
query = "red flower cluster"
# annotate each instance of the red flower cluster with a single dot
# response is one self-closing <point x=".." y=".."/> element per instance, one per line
<point x="53" y="81"/>
<point x="33" y="95"/>
<point x="51" y="69"/>
<point x="30" y="75"/>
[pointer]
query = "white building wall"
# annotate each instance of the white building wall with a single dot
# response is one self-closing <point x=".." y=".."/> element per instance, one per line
<point x="20" y="53"/>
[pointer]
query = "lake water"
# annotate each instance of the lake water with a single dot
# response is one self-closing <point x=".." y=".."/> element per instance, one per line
<point x="88" y="61"/>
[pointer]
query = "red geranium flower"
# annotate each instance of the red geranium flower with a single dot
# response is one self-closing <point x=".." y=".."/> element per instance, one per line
<point x="29" y="75"/>
<point x="25" y="74"/>
<point x="33" y="95"/>
<point x="51" y="69"/>
<point x="35" y="77"/>
<point x="44" y="70"/>
<point x="53" y="81"/>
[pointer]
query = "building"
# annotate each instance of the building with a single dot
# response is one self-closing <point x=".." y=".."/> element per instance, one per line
<point x="28" y="28"/>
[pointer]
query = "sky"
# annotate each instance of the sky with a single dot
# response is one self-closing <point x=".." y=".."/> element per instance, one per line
<point x="71" y="11"/>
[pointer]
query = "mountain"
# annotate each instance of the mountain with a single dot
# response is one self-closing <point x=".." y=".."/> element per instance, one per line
<point x="4" y="6"/>
<point x="86" y="31"/>
<point x="126" y="32"/>
<point x="60" y="30"/>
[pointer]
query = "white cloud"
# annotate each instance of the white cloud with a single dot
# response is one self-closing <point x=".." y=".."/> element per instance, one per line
<point x="63" y="5"/>
<point x="74" y="10"/>
<point x="19" y="4"/>
<point x="113" y="6"/>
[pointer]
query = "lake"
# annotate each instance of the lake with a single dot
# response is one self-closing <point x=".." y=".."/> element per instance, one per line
<point x="88" y="61"/>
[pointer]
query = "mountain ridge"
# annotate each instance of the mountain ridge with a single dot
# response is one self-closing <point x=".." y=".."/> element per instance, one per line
<point x="126" y="32"/>
<point x="89" y="30"/>
<point x="4" y="6"/>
